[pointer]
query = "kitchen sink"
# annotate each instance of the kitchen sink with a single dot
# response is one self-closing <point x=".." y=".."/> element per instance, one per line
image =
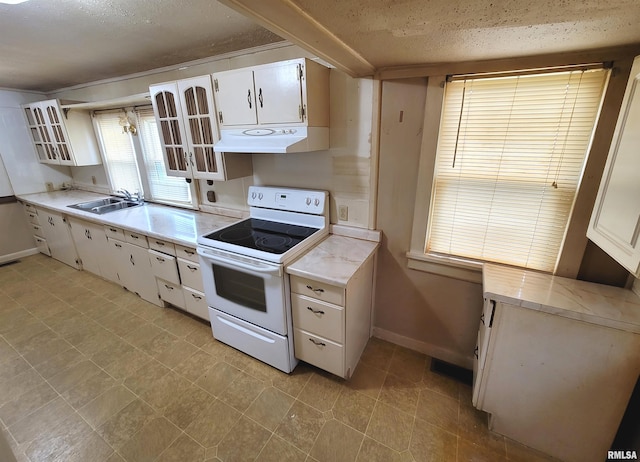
<point x="106" y="205"/>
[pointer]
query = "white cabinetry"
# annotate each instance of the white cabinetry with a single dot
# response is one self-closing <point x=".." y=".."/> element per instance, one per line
<point x="287" y="93"/>
<point x="615" y="221"/>
<point x="130" y="256"/>
<point x="62" y="137"/>
<point x="557" y="361"/>
<point x="38" y="233"/>
<point x="58" y="236"/>
<point x="332" y="323"/>
<point x="91" y="243"/>
<point x="192" y="284"/>
<point x="185" y="115"/>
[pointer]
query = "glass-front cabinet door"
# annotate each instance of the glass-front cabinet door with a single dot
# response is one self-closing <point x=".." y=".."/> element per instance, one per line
<point x="58" y="133"/>
<point x="40" y="135"/>
<point x="166" y="108"/>
<point x="201" y="131"/>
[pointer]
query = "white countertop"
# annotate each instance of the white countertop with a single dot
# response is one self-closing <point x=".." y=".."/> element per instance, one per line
<point x="176" y="225"/>
<point x="334" y="261"/>
<point x="585" y="301"/>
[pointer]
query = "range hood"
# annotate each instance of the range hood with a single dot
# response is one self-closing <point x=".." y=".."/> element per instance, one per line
<point x="273" y="140"/>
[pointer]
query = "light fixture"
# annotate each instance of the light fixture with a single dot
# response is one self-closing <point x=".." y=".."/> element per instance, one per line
<point x="12" y="2"/>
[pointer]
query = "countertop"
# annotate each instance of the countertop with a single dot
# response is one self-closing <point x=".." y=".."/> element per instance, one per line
<point x="585" y="301"/>
<point x="179" y="226"/>
<point x="334" y="260"/>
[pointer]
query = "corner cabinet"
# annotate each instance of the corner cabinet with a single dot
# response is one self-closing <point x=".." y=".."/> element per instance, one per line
<point x="615" y="221"/>
<point x="185" y="115"/>
<point x="294" y="92"/>
<point x="62" y="137"/>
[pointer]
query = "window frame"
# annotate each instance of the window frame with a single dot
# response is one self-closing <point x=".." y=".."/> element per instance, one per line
<point x="140" y="161"/>
<point x="465" y="268"/>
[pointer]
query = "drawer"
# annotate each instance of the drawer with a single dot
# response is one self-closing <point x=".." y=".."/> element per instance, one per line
<point x="42" y="246"/>
<point x="113" y="232"/>
<point x="318" y="317"/>
<point x="136" y="238"/>
<point x="162" y="246"/>
<point x="319" y="290"/>
<point x="188" y="253"/>
<point x="195" y="303"/>
<point x="190" y="274"/>
<point x="32" y="216"/>
<point x="164" y="266"/>
<point x="170" y="292"/>
<point x="28" y="208"/>
<point x="37" y="230"/>
<point x="319" y="351"/>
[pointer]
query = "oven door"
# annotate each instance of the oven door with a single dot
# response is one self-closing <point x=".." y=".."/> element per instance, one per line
<point x="245" y="287"/>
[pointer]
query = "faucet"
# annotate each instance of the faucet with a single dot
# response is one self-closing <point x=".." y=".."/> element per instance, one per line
<point x="137" y="196"/>
<point x="125" y="193"/>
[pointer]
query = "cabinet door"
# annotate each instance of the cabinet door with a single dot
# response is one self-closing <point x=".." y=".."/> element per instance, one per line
<point x="37" y="124"/>
<point x="91" y="244"/>
<point x="59" y="135"/>
<point x="118" y="257"/>
<point x="142" y="280"/>
<point x="166" y="107"/>
<point x="201" y="130"/>
<point x="615" y="222"/>
<point x="235" y="97"/>
<point x="279" y="93"/>
<point x="58" y="238"/>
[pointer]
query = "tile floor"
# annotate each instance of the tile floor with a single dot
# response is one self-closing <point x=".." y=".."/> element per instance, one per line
<point x="90" y="372"/>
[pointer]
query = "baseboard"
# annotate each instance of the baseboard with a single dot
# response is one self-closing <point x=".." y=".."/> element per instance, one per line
<point x="17" y="255"/>
<point x="423" y="347"/>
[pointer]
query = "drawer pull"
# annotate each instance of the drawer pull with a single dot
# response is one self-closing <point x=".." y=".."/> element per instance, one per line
<point x="192" y="268"/>
<point x="134" y="236"/>
<point x="118" y="245"/>
<point x="168" y="287"/>
<point x="315" y="342"/>
<point x="189" y="252"/>
<point x="318" y="291"/>
<point x="197" y="297"/>
<point x="160" y="243"/>
<point x="160" y="259"/>
<point x="315" y="311"/>
<point x="113" y="230"/>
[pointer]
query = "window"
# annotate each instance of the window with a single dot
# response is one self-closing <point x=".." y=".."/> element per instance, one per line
<point x="510" y="155"/>
<point x="135" y="162"/>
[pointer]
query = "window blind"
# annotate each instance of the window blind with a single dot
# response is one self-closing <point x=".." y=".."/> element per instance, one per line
<point x="118" y="152"/>
<point x="162" y="187"/>
<point x="510" y="156"/>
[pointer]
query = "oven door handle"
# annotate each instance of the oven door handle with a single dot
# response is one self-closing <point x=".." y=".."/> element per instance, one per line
<point x="235" y="263"/>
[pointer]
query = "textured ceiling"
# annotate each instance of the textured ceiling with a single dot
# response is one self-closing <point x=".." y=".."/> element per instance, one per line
<point x="47" y="45"/>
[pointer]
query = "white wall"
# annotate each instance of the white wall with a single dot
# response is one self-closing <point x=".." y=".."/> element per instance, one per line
<point x="26" y="174"/>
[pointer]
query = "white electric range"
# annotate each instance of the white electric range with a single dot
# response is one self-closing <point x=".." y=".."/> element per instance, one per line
<point x="246" y="287"/>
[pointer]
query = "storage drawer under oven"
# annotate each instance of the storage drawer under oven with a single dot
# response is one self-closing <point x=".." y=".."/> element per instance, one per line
<point x="319" y="351"/>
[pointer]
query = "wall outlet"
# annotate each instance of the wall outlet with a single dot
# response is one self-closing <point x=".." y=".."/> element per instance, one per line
<point x="211" y="196"/>
<point x="343" y="213"/>
<point x="49" y="186"/>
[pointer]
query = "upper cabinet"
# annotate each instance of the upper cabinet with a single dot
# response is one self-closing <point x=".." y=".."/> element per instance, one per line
<point x="276" y="93"/>
<point x="185" y="114"/>
<point x="64" y="138"/>
<point x="615" y="221"/>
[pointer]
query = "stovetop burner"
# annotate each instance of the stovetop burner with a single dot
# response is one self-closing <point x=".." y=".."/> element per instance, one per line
<point x="269" y="236"/>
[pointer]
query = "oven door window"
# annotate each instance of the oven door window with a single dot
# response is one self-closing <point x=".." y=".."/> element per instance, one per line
<point x="240" y="288"/>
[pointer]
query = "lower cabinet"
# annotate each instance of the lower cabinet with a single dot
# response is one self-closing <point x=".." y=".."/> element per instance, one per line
<point x="92" y="247"/>
<point x="56" y="232"/>
<point x="332" y="324"/>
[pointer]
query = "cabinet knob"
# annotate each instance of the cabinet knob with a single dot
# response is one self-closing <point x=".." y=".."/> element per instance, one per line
<point x="249" y="98"/>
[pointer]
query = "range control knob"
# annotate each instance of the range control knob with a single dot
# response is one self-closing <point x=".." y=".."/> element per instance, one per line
<point x="308" y="201"/>
<point x="316" y="202"/>
<point x="253" y="195"/>
<point x="260" y="196"/>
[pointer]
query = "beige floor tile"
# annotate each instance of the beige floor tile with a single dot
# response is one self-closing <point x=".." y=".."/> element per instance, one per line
<point x="176" y="322"/>
<point x="188" y="405"/>
<point x="213" y="423"/>
<point x="19" y="385"/>
<point x="112" y="353"/>
<point x="400" y="393"/>
<point x="367" y="379"/>
<point x="100" y="409"/>
<point x="354" y="409"/>
<point x="473" y="428"/>
<point x="159" y="344"/>
<point x="128" y="365"/>
<point x="184" y="449"/>
<point x="237" y="359"/>
<point x="293" y="383"/>
<point x="432" y="444"/>
<point x="121" y="427"/>
<point x="146" y="376"/>
<point x="150" y="442"/>
<point x="517" y="452"/>
<point x="26" y="403"/>
<point x="99" y="340"/>
<point x="270" y="407"/>
<point x="378" y="353"/>
<point x="88" y="390"/>
<point x="278" y="450"/>
<point x="144" y="309"/>
<point x="244" y="441"/>
<point x="321" y="391"/>
<point x="60" y="362"/>
<point x="115" y="457"/>
<point x="39" y="423"/>
<point x="470" y="452"/>
<point x="12" y="367"/>
<point x="175" y="355"/>
<point x="301" y="426"/>
<point x="408" y="364"/>
<point x="194" y="366"/>
<point x="242" y="392"/>
<point x="218" y="378"/>
<point x="143" y="334"/>
<point x="336" y="442"/>
<point x="121" y="321"/>
<point x="438" y="410"/>
<point x="74" y="375"/>
<point x="164" y="391"/>
<point x="390" y="426"/>
<point x="373" y="451"/>
<point x="441" y="383"/>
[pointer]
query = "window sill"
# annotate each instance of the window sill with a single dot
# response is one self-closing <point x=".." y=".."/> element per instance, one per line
<point x="452" y="267"/>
